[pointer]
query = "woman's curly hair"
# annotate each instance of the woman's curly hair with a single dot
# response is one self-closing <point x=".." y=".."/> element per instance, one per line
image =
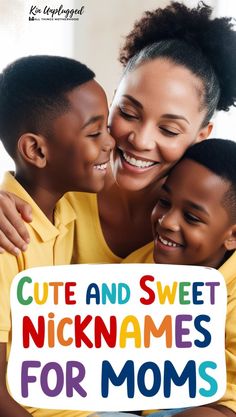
<point x="214" y="40"/>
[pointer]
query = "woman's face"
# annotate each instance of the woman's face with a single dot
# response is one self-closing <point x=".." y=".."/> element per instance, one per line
<point x="155" y="116"/>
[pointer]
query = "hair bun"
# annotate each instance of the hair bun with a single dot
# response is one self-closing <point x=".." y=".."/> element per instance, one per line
<point x="214" y="37"/>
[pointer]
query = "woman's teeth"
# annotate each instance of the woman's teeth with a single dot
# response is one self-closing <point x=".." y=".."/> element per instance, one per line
<point x="167" y="242"/>
<point x="137" y="162"/>
<point x="101" y="166"/>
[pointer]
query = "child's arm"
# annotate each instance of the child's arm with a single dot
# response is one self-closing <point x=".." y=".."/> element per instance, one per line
<point x="13" y="233"/>
<point x="8" y="406"/>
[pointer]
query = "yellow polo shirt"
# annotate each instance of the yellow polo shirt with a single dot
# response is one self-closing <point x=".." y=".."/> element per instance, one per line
<point x="50" y="245"/>
<point x="90" y="245"/>
<point x="228" y="270"/>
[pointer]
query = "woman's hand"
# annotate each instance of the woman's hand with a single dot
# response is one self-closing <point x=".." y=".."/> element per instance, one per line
<point x="14" y="236"/>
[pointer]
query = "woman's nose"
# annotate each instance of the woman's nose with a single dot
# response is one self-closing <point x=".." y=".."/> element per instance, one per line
<point x="142" y="140"/>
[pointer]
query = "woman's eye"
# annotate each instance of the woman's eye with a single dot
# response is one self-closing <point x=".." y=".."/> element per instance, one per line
<point x="169" y="132"/>
<point x="191" y="218"/>
<point x="126" y="114"/>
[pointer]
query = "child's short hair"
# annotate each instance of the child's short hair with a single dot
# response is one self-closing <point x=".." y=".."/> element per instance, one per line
<point x="33" y="92"/>
<point x="219" y="156"/>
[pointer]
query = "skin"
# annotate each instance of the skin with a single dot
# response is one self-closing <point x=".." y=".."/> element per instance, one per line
<point x="78" y="140"/>
<point x="81" y="143"/>
<point x="153" y="119"/>
<point x="191" y="216"/>
<point x="8" y="406"/>
<point x="133" y="197"/>
<point x="165" y="116"/>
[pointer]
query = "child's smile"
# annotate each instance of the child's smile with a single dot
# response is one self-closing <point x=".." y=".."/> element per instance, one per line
<point x="190" y="222"/>
<point x="80" y="141"/>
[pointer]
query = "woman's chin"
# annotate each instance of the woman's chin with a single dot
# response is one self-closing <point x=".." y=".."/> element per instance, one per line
<point x="132" y="183"/>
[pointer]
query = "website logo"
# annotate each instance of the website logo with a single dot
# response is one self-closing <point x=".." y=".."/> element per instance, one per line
<point x="54" y="14"/>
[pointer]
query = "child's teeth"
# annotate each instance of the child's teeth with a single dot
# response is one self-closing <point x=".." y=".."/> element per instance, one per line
<point x="101" y="166"/>
<point x="137" y="162"/>
<point x="167" y="242"/>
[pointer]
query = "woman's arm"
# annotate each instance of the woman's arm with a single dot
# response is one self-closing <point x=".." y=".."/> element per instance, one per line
<point x="14" y="236"/>
<point x="8" y="407"/>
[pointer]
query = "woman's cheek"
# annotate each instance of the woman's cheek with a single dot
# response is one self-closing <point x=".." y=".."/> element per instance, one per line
<point x="118" y="127"/>
<point x="173" y="152"/>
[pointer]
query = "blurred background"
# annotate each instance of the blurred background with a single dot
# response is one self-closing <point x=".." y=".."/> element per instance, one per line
<point x="95" y="40"/>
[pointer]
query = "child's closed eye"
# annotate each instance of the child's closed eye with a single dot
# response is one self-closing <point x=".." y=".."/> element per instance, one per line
<point x="163" y="202"/>
<point x="95" y="134"/>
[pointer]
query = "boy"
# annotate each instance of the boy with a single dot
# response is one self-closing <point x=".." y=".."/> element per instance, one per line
<point x="194" y="222"/>
<point x="53" y="123"/>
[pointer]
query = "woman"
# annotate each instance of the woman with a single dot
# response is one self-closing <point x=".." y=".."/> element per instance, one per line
<point x="176" y="75"/>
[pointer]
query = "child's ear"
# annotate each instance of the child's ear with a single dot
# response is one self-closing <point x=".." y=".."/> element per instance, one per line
<point x="230" y="240"/>
<point x="32" y="149"/>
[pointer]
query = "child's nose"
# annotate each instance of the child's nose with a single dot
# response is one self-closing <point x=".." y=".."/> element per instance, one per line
<point x="170" y="221"/>
<point x="109" y="143"/>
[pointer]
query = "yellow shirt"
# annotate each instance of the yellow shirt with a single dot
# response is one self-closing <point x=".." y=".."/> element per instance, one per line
<point x="228" y="270"/>
<point x="89" y="244"/>
<point x="50" y="245"/>
<point x="143" y="255"/>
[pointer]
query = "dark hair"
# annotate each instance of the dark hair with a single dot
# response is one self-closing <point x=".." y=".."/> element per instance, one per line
<point x="33" y="93"/>
<point x="219" y="156"/>
<point x="190" y="38"/>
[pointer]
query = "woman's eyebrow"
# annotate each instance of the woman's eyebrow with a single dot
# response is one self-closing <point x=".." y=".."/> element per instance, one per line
<point x="175" y="116"/>
<point x="133" y="100"/>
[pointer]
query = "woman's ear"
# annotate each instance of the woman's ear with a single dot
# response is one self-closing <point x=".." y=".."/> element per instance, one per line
<point x="33" y="150"/>
<point x="204" y="132"/>
<point x="230" y="240"/>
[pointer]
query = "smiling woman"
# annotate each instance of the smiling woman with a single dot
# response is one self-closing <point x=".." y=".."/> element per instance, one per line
<point x="151" y="137"/>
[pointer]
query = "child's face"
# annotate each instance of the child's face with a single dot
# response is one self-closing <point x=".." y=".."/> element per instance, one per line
<point x="80" y="145"/>
<point x="190" y="224"/>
